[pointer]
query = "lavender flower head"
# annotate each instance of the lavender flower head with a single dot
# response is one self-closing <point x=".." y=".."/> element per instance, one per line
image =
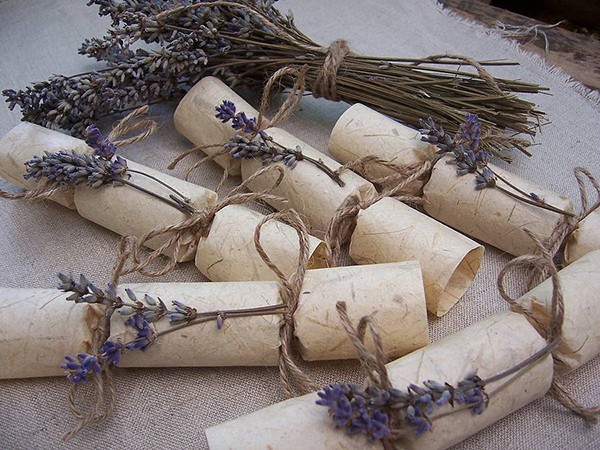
<point x="78" y="370"/>
<point x="102" y="146"/>
<point x="145" y="335"/>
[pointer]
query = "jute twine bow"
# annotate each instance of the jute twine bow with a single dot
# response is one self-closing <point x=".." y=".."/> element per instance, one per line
<point x="543" y="261"/>
<point x="134" y="121"/>
<point x="342" y="224"/>
<point x="186" y="233"/>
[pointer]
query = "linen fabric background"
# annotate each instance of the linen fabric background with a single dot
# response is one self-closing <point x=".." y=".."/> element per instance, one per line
<point x="170" y="408"/>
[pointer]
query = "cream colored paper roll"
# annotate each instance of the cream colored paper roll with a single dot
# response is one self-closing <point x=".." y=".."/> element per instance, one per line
<point x="33" y="335"/>
<point x="393" y="293"/>
<point x="585" y="239"/>
<point x="490" y="215"/>
<point x="580" y="283"/>
<point x="308" y="189"/>
<point x="492" y="346"/>
<point x="128" y="211"/>
<point x="228" y="253"/>
<point x="390" y="231"/>
<point x="362" y="131"/>
<point x="27" y="140"/>
<point x="246" y="341"/>
<point x="195" y="118"/>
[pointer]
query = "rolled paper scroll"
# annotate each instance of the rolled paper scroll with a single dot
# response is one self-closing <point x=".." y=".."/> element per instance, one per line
<point x="128" y="211"/>
<point x="488" y="214"/>
<point x="34" y="335"/>
<point x="390" y="231"/>
<point x="195" y="118"/>
<point x="309" y="190"/>
<point x="228" y="253"/>
<point x="491" y="346"/>
<point x="27" y="140"/>
<point x="362" y="131"/>
<point x="32" y="319"/>
<point x="393" y="293"/>
<point x="580" y="285"/>
<point x="585" y="239"/>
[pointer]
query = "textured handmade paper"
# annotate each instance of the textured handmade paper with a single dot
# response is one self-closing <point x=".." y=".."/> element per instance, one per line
<point x="392" y="293"/>
<point x="130" y="212"/>
<point x="362" y="131"/>
<point x="490" y="215"/>
<point x="580" y="284"/>
<point x="27" y="140"/>
<point x="390" y="231"/>
<point x="228" y="253"/>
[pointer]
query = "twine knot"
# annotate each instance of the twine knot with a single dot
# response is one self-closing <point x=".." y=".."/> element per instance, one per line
<point x="325" y="84"/>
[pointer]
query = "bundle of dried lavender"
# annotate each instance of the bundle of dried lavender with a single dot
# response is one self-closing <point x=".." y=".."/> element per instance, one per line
<point x="246" y="41"/>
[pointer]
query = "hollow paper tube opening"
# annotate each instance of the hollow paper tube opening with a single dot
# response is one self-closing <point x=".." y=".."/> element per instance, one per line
<point x="390" y="231"/>
<point x="33" y="337"/>
<point x="580" y="331"/>
<point x="490" y="215"/>
<point x="392" y="293"/>
<point x="195" y="118"/>
<point x="362" y="131"/>
<point x="128" y="211"/>
<point x="244" y="341"/>
<point x="585" y="239"/>
<point x="27" y="140"/>
<point x="228" y="253"/>
<point x="309" y="190"/>
<point x="492" y="346"/>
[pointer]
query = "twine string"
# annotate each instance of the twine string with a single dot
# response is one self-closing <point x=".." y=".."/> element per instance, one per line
<point x="292" y="377"/>
<point x="542" y="261"/>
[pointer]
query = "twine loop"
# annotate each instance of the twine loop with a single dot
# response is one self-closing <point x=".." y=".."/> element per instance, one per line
<point x="543" y="261"/>
<point x="325" y="84"/>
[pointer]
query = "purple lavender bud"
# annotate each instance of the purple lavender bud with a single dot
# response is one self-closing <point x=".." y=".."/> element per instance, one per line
<point x="102" y="146"/>
<point x="111" y="352"/>
<point x="225" y="111"/>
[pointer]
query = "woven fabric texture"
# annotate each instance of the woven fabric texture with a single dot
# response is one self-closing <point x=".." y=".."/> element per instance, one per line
<point x="170" y="408"/>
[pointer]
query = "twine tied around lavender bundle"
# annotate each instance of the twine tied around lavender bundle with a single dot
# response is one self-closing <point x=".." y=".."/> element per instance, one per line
<point x="542" y="261"/>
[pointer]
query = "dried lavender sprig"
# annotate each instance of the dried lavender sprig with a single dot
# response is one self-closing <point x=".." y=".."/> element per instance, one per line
<point x="259" y="145"/>
<point x="470" y="157"/>
<point x="140" y="316"/>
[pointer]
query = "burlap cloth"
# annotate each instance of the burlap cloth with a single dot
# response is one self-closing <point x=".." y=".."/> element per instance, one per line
<point x="170" y="408"/>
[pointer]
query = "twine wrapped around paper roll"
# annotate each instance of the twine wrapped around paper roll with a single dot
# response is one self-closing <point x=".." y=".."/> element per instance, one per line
<point x="309" y="190"/>
<point x="34" y="335"/>
<point x="228" y="252"/>
<point x="362" y="132"/>
<point x="585" y="239"/>
<point x="392" y="293"/>
<point x="580" y="331"/>
<point x="195" y="119"/>
<point x="493" y="345"/>
<point x="27" y="140"/>
<point x="390" y="231"/>
<point x="33" y="320"/>
<point x="130" y="212"/>
<point x="490" y="215"/>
